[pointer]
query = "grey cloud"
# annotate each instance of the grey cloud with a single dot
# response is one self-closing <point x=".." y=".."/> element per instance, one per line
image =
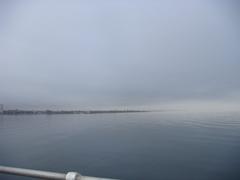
<point x="117" y="53"/>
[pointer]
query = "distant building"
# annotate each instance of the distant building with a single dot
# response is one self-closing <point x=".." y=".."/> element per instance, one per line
<point x="1" y="108"/>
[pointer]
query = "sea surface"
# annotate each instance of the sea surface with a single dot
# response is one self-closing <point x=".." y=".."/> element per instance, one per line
<point x="133" y="146"/>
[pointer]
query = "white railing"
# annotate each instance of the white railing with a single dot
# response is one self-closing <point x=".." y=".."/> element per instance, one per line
<point x="46" y="174"/>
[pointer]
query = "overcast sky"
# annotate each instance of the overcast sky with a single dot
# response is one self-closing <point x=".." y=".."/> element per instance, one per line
<point x="125" y="53"/>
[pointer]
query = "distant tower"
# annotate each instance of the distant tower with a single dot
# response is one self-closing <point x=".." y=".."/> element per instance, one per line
<point x="1" y="108"/>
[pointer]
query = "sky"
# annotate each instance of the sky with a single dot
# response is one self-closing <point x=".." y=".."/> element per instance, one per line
<point x="107" y="54"/>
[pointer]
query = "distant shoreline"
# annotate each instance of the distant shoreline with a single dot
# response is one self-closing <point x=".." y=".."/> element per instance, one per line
<point x="49" y="112"/>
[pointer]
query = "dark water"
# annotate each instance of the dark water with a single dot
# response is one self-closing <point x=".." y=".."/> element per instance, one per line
<point x="168" y="145"/>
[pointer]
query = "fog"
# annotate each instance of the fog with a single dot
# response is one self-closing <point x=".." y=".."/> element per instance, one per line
<point x="119" y="54"/>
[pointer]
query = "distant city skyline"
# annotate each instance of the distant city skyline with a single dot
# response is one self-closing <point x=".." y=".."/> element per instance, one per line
<point x="112" y="54"/>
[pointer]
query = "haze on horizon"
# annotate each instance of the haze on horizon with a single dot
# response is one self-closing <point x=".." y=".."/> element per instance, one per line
<point x="108" y="54"/>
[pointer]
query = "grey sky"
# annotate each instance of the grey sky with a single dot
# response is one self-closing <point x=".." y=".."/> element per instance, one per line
<point x="105" y="54"/>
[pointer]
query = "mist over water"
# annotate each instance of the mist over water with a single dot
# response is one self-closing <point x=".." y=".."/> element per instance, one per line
<point x="114" y="54"/>
<point x="166" y="145"/>
<point x="178" y="58"/>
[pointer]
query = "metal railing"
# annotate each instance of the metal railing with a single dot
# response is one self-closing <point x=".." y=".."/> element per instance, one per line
<point x="46" y="174"/>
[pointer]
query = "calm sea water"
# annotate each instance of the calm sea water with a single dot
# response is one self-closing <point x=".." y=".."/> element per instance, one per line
<point x="166" y="145"/>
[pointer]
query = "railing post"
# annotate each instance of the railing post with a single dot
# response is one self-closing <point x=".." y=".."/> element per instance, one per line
<point x="46" y="174"/>
<point x="73" y="176"/>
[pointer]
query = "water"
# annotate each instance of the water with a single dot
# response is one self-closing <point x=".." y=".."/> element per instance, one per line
<point x="166" y="145"/>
